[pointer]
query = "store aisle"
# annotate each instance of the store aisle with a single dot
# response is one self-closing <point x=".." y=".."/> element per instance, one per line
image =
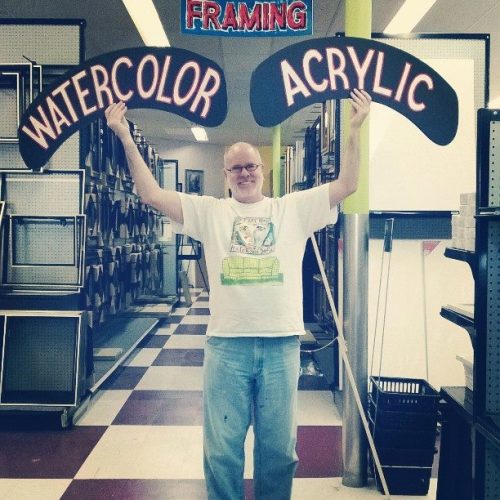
<point x="142" y="436"/>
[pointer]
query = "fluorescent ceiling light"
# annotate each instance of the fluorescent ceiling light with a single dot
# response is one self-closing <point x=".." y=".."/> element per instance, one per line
<point x="147" y="22"/>
<point x="408" y="16"/>
<point x="200" y="134"/>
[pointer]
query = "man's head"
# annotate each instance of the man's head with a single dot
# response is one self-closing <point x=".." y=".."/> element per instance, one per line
<point x="246" y="185"/>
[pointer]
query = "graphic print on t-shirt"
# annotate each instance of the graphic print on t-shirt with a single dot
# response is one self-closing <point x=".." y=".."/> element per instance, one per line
<point x="251" y="236"/>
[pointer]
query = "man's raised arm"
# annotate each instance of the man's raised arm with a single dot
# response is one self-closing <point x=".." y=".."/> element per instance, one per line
<point x="347" y="181"/>
<point x="166" y="201"/>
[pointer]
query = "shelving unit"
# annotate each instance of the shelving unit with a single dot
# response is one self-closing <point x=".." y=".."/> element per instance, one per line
<point x="461" y="317"/>
<point x="75" y="241"/>
<point x="455" y="463"/>
<point x="481" y="419"/>
<point x="464" y="256"/>
<point x="487" y="349"/>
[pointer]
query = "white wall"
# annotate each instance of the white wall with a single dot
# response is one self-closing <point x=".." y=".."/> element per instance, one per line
<point x="447" y="282"/>
<point x="197" y="156"/>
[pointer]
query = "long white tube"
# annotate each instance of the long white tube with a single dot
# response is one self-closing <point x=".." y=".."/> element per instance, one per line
<point x="350" y="376"/>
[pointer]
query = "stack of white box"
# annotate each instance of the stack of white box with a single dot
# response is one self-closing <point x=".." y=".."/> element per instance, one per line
<point x="463" y="224"/>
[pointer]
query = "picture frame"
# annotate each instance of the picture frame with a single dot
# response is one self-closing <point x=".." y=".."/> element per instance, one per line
<point x="327" y="129"/>
<point x="194" y="182"/>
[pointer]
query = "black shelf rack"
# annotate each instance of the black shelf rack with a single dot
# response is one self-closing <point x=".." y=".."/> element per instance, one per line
<point x="456" y="314"/>
<point x="486" y="407"/>
<point x="461" y="318"/>
<point x="464" y="256"/>
<point x="477" y="413"/>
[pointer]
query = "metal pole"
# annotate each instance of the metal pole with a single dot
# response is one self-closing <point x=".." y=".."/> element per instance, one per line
<point x="358" y="19"/>
<point x="350" y="376"/>
<point x="354" y="449"/>
<point x="276" y="161"/>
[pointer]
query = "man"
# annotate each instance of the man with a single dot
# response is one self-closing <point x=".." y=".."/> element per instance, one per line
<point x="254" y="247"/>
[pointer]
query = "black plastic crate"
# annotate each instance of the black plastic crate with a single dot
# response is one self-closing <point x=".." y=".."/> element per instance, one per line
<point x="403" y="438"/>
<point x="405" y="480"/>
<point x="409" y="457"/>
<point x="403" y="394"/>
<point x="401" y="419"/>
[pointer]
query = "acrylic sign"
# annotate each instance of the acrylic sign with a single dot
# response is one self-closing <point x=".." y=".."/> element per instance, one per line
<point x="247" y="17"/>
<point x="174" y="80"/>
<point x="329" y="68"/>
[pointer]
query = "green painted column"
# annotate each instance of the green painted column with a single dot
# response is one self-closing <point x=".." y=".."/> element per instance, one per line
<point x="355" y="234"/>
<point x="358" y="21"/>
<point x="276" y="161"/>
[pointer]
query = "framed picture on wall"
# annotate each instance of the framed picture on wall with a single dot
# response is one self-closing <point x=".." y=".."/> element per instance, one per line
<point x="327" y="126"/>
<point x="194" y="182"/>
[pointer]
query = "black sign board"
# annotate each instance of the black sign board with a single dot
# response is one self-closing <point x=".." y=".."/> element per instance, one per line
<point x="174" y="80"/>
<point x="329" y="68"/>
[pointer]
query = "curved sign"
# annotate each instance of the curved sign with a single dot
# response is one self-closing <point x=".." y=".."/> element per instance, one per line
<point x="329" y="68"/>
<point x="174" y="80"/>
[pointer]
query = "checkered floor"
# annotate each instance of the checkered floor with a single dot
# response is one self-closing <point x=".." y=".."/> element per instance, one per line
<point x="141" y="438"/>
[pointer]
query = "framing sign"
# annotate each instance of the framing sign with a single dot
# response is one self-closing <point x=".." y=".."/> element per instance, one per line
<point x="329" y="68"/>
<point x="247" y="17"/>
<point x="174" y="80"/>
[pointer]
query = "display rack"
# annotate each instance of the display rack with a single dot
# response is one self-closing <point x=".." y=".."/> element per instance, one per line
<point x="487" y="351"/>
<point x="311" y="162"/>
<point x="473" y="418"/>
<point x="464" y="256"/>
<point x="461" y="317"/>
<point x="76" y="240"/>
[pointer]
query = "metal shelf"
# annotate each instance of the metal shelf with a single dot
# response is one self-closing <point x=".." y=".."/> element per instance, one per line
<point x="461" y="317"/>
<point x="464" y="256"/>
<point x="461" y="399"/>
<point x="488" y="212"/>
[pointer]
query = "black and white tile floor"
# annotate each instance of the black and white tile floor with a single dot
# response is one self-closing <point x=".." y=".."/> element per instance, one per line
<point x="141" y="437"/>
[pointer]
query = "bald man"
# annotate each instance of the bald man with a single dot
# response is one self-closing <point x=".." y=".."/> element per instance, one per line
<point x="254" y="247"/>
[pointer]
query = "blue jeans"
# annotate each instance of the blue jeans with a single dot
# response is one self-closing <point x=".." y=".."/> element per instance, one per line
<point x="241" y="375"/>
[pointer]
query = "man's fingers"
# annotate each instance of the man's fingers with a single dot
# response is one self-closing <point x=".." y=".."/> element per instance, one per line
<point x="115" y="111"/>
<point x="361" y="97"/>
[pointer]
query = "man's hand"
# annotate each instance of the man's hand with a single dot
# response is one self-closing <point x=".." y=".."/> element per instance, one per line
<point x="115" y="116"/>
<point x="360" y="107"/>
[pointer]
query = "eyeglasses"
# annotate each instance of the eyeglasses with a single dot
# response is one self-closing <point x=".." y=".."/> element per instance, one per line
<point x="250" y="167"/>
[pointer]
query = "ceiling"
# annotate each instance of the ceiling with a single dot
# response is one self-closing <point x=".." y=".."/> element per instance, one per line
<point x="110" y="28"/>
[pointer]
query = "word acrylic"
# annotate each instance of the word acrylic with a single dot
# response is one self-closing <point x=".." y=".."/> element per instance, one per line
<point x="329" y="68"/>
<point x="174" y="80"/>
<point x="247" y="18"/>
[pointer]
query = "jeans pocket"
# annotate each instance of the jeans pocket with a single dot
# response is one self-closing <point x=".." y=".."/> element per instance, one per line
<point x="212" y="340"/>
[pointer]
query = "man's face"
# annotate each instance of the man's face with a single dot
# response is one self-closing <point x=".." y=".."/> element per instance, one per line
<point x="246" y="186"/>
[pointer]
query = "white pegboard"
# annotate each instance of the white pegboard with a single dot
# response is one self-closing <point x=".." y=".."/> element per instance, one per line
<point x="51" y="193"/>
<point x="494" y="165"/>
<point x="492" y="392"/>
<point x="448" y="48"/>
<point x="45" y="44"/>
<point x="43" y="242"/>
<point x="50" y="275"/>
<point x="8" y="113"/>
<point x="469" y="52"/>
<point x="67" y="157"/>
<point x="10" y="158"/>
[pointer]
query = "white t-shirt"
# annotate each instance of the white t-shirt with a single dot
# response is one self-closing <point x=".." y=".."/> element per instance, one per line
<point x="254" y="255"/>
